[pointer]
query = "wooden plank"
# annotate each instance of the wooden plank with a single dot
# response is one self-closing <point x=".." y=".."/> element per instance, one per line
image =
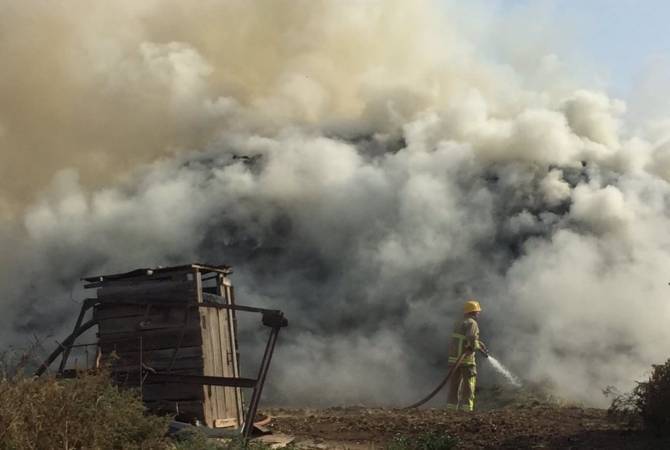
<point x="150" y="317"/>
<point x="171" y="391"/>
<point x="149" y="297"/>
<point x="163" y="354"/>
<point x="135" y="281"/>
<point x="227" y="291"/>
<point x="223" y="269"/>
<point x="130" y="377"/>
<point x="190" y="365"/>
<point x="167" y="330"/>
<point x="211" y="368"/>
<point x="158" y="319"/>
<point x="122" y="363"/>
<point x="226" y="423"/>
<point x="141" y="275"/>
<point x="187" y="357"/>
<point x="115" y="311"/>
<point x="228" y="394"/>
<point x="217" y="354"/>
<point x="138" y="327"/>
<point x="118" y="319"/>
<point x="209" y="406"/>
<point x="151" y="340"/>
<point x="152" y="288"/>
<point x="106" y="311"/>
<point x="152" y="312"/>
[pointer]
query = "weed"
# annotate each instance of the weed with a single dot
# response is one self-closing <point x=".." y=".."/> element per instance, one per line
<point x="425" y="441"/>
<point x="649" y="402"/>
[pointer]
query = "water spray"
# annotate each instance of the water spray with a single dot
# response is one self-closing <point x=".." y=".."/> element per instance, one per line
<point x="504" y="371"/>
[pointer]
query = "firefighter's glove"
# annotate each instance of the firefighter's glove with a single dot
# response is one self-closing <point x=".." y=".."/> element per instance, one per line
<point x="482" y="348"/>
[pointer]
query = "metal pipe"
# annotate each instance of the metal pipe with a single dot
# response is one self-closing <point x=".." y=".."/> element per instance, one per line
<point x="258" y="389"/>
<point x="66" y="343"/>
<point x="66" y="352"/>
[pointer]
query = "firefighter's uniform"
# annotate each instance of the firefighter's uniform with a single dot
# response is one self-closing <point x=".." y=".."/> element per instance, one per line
<point x="464" y="339"/>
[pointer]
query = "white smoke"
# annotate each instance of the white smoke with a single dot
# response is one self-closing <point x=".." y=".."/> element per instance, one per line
<point x="362" y="167"/>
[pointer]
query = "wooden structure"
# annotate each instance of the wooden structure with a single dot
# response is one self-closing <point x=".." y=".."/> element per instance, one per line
<point x="171" y="332"/>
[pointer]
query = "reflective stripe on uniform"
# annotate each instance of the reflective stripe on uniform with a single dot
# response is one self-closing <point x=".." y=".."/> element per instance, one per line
<point x="460" y="339"/>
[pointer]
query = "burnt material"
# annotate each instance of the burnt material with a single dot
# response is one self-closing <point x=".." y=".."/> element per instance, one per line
<point x="171" y="332"/>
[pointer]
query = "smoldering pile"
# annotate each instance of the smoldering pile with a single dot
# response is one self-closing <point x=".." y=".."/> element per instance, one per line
<point x="364" y="172"/>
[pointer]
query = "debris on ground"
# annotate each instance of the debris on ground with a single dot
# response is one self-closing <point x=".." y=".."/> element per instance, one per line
<point x="538" y="426"/>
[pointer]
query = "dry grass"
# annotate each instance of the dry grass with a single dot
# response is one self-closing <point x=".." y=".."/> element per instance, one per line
<point x="81" y="413"/>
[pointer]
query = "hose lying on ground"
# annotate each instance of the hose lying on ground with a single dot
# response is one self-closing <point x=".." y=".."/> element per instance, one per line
<point x="452" y="369"/>
<point x="264" y="421"/>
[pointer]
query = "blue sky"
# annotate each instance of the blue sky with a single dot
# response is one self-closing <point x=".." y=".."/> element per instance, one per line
<point x="624" y="39"/>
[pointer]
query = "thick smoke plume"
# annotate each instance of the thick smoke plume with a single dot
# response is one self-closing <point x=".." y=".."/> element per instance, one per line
<point x="360" y="164"/>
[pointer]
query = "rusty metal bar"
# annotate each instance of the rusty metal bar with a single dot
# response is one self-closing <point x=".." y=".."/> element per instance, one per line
<point x="66" y="343"/>
<point x="203" y="380"/>
<point x="90" y="344"/>
<point x="66" y="351"/>
<point x="258" y="388"/>
<point x="141" y="372"/>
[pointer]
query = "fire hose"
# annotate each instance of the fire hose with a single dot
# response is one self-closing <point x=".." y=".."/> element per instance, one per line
<point x="439" y="387"/>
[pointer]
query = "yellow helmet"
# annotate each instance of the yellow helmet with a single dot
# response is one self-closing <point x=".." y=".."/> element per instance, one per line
<point x="471" y="306"/>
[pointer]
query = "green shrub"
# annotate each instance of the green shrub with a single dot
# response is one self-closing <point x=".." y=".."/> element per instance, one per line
<point x="190" y="440"/>
<point x="649" y="402"/>
<point x="426" y="441"/>
<point x="87" y="412"/>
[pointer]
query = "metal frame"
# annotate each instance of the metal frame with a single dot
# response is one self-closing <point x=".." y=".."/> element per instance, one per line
<point x="274" y="319"/>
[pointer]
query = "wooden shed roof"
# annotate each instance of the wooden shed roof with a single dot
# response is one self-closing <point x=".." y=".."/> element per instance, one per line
<point x="223" y="269"/>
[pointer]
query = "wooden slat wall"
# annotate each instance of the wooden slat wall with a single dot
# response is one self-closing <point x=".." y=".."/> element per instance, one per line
<point x="219" y="361"/>
<point x="151" y="340"/>
<point x="182" y="288"/>
<point x="172" y="391"/>
<point x="209" y="405"/>
<point x="119" y="320"/>
<point x="233" y="395"/>
<point x="219" y="352"/>
<point x="160" y="360"/>
<point x="205" y="338"/>
<point x="162" y="328"/>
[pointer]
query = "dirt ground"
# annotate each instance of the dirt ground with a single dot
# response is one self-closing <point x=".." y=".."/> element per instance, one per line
<point x="532" y="425"/>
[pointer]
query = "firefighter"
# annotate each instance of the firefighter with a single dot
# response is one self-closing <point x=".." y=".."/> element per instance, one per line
<point x="465" y="339"/>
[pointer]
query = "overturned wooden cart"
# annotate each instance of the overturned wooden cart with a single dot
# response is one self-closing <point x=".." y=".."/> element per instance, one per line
<point x="172" y="333"/>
